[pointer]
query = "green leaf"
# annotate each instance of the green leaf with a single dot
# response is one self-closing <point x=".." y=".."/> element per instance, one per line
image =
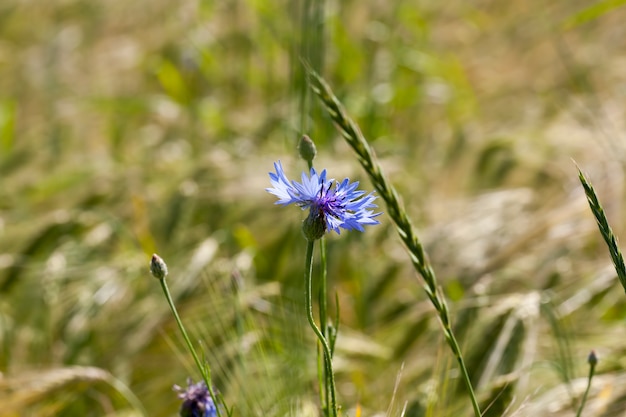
<point x="591" y="13"/>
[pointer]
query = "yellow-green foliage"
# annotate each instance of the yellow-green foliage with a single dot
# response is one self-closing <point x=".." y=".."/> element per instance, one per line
<point x="134" y="127"/>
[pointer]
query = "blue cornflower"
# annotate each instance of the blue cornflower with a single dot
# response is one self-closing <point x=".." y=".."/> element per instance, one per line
<point x="197" y="400"/>
<point x="330" y="208"/>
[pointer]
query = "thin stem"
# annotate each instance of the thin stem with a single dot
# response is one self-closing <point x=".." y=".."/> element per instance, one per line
<point x="309" y="313"/>
<point x="584" y="400"/>
<point x="305" y="51"/>
<point x="321" y="380"/>
<point x="205" y="371"/>
<point x="592" y="369"/>
<point x="323" y="307"/>
<point x="454" y="346"/>
<point x="323" y="289"/>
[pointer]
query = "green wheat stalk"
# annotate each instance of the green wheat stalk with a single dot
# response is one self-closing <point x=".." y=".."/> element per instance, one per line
<point x="605" y="229"/>
<point x="353" y="136"/>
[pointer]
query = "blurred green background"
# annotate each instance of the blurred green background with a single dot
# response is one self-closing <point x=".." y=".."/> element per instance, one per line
<point x="134" y="127"/>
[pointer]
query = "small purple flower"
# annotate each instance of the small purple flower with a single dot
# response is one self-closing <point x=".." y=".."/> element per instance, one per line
<point x="197" y="400"/>
<point x="330" y="208"/>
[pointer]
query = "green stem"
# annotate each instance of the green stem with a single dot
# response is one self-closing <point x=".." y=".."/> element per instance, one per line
<point x="323" y="290"/>
<point x="454" y="346"/>
<point x="323" y="309"/>
<point x="304" y="52"/>
<point x="205" y="371"/>
<point x="309" y="313"/>
<point x="592" y="368"/>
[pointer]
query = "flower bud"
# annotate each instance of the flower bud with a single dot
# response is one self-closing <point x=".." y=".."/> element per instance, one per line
<point x="306" y="147"/>
<point x="592" y="359"/>
<point x="314" y="226"/>
<point x="158" y="268"/>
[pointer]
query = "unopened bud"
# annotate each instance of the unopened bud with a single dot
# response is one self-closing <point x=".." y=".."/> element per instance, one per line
<point x="306" y="147"/>
<point x="314" y="226"/>
<point x="158" y="268"/>
<point x="592" y="359"/>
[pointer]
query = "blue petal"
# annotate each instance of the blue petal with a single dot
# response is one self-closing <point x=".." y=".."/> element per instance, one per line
<point x="282" y="187"/>
<point x="343" y="207"/>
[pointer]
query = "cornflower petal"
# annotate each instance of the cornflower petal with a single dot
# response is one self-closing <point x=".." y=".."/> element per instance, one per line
<point x="337" y="207"/>
<point x="196" y="399"/>
<point x="282" y="188"/>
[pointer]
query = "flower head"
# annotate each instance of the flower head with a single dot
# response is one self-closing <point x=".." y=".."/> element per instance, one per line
<point x="330" y="207"/>
<point x="197" y="400"/>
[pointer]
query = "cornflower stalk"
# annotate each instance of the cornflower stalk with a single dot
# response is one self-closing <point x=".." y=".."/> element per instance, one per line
<point x="322" y="302"/>
<point x="332" y="205"/>
<point x="328" y="365"/>
<point x="353" y="136"/>
<point x="158" y="268"/>
<point x="307" y="151"/>
<point x="592" y="360"/>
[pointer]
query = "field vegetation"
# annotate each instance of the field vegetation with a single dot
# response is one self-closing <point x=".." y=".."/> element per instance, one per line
<point x="129" y="128"/>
